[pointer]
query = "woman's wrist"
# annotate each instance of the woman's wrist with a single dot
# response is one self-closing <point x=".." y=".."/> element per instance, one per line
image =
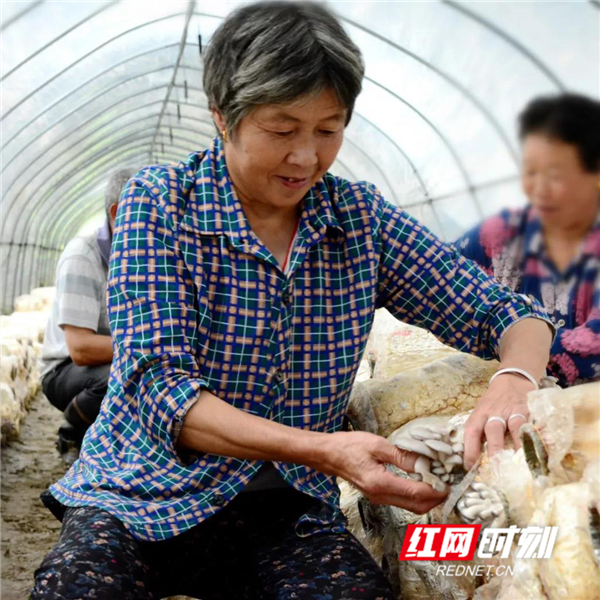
<point x="331" y="453"/>
<point x="310" y="448"/>
<point x="516" y="371"/>
<point x="514" y="380"/>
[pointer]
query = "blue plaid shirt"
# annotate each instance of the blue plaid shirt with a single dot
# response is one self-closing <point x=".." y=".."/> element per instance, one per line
<point x="197" y="302"/>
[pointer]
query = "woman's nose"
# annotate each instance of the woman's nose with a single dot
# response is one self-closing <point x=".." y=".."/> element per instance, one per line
<point x="304" y="155"/>
<point x="540" y="186"/>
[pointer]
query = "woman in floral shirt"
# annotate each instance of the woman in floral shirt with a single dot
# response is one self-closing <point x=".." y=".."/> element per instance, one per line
<point x="551" y="248"/>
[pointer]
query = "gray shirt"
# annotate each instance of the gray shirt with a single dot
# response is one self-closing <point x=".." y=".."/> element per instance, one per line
<point x="80" y="299"/>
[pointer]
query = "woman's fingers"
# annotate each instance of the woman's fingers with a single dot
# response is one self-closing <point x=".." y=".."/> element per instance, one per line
<point x="473" y="438"/>
<point x="491" y="420"/>
<point x="515" y="422"/>
<point x="393" y="455"/>
<point x="365" y="466"/>
<point x="480" y="425"/>
<point x="494" y="430"/>
<point x="411" y="495"/>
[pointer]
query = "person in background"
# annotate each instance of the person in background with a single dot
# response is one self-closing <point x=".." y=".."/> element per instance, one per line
<point x="550" y="250"/>
<point x="77" y="350"/>
<point x="242" y="289"/>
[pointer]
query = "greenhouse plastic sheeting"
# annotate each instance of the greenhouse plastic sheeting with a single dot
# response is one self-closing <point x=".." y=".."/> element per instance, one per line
<point x="88" y="87"/>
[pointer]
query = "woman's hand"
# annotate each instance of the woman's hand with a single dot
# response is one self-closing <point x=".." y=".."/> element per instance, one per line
<point x="506" y="396"/>
<point x="360" y="458"/>
<point x="525" y="345"/>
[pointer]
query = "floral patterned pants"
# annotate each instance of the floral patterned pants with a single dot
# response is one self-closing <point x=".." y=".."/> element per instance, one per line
<point x="248" y="551"/>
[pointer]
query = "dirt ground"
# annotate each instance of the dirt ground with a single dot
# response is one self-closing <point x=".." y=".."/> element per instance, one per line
<point x="29" y="465"/>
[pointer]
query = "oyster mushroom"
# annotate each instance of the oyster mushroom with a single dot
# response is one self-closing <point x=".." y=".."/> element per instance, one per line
<point x="408" y="443"/>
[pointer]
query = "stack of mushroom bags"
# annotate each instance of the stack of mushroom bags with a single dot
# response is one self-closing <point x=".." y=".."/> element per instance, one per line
<point x="21" y="346"/>
<point x="407" y="373"/>
<point x="552" y="480"/>
<point x="419" y="393"/>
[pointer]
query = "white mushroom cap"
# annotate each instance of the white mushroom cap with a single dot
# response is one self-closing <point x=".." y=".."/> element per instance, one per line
<point x="417" y="446"/>
<point x="424" y="433"/>
<point x="439" y="446"/>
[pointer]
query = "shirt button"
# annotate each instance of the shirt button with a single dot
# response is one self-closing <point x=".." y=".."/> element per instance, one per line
<point x="287" y="297"/>
<point x="278" y="376"/>
<point x="561" y="323"/>
<point x="219" y="500"/>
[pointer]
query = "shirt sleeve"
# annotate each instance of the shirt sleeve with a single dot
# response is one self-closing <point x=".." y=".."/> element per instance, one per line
<point x="79" y="293"/>
<point x="428" y="283"/>
<point x="575" y="353"/>
<point x="153" y="319"/>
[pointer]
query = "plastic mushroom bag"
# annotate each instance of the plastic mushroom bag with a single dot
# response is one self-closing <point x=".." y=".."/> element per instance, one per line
<point x="573" y="571"/>
<point x="446" y="386"/>
<point x="408" y="373"/>
<point x="561" y="445"/>
<point x="350" y="501"/>
<point x="568" y="421"/>
<point x="395" y="347"/>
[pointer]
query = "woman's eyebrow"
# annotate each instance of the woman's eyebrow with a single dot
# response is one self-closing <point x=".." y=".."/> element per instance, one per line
<point x="339" y="116"/>
<point x="284" y="117"/>
<point x="281" y="116"/>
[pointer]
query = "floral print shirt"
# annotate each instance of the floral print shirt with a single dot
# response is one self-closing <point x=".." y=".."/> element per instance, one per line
<point x="510" y="247"/>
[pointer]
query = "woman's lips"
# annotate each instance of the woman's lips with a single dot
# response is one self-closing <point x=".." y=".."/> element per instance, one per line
<point x="547" y="210"/>
<point x="293" y="183"/>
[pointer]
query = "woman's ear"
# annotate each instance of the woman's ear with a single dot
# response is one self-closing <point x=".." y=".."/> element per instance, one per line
<point x="218" y="119"/>
<point x="112" y="215"/>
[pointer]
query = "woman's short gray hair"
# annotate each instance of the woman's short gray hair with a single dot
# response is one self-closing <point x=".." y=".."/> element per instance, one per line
<point x="276" y="53"/>
<point x="115" y="185"/>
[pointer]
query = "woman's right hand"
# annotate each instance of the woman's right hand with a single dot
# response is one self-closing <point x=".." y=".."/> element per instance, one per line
<point x="214" y="426"/>
<point x="360" y="458"/>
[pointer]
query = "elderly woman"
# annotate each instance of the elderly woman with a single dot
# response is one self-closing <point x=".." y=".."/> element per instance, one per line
<point x="551" y="248"/>
<point x="242" y="290"/>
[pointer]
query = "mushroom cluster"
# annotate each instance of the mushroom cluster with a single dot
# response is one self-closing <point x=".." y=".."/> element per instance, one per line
<point x="439" y="441"/>
<point x="482" y="504"/>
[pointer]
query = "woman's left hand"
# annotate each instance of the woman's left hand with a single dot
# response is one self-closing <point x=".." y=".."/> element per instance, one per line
<point x="505" y="398"/>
